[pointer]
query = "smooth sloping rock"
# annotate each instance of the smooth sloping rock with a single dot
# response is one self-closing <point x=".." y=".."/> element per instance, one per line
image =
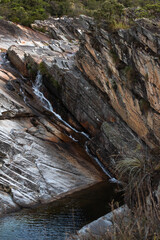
<point x="15" y="34"/>
<point x="38" y="162"/>
<point x="98" y="229"/>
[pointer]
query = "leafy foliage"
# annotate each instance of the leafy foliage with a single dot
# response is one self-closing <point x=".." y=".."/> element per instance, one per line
<point x="112" y="11"/>
<point x="24" y="12"/>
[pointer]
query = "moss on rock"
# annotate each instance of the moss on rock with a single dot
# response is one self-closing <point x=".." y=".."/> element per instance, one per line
<point x="48" y="77"/>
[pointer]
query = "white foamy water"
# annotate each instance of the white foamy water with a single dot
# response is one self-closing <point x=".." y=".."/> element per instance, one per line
<point x="3" y="59"/>
<point x="48" y="106"/>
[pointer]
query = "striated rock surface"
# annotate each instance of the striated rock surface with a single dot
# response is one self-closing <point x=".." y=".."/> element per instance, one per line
<point x="11" y="33"/>
<point x="125" y="66"/>
<point x="37" y="163"/>
<point x="40" y="161"/>
<point x="108" y="81"/>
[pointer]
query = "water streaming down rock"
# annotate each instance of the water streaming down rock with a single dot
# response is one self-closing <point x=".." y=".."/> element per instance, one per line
<point x="100" y="164"/>
<point x="36" y="88"/>
<point x="33" y="170"/>
<point x="48" y="106"/>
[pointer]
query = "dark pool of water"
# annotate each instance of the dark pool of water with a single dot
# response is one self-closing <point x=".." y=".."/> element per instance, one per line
<point x="59" y="219"/>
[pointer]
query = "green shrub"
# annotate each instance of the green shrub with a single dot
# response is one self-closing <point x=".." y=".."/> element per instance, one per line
<point x="46" y="75"/>
<point x="130" y="74"/>
<point x="24" y="12"/>
<point x="112" y="11"/>
<point x="114" y="56"/>
<point x="144" y="105"/>
<point x="148" y="11"/>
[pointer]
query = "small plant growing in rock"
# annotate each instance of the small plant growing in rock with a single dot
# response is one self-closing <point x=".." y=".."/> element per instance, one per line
<point x="130" y="74"/>
<point x="48" y="77"/>
<point x="114" y="56"/>
<point x="144" y="105"/>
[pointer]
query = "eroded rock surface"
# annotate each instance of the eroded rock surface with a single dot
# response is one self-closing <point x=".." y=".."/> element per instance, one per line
<point x="126" y="68"/>
<point x="39" y="161"/>
<point x="103" y="79"/>
<point x="11" y="33"/>
<point x="36" y="165"/>
<point x="108" y="81"/>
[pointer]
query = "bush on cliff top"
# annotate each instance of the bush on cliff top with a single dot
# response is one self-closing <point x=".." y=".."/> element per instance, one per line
<point x="26" y="11"/>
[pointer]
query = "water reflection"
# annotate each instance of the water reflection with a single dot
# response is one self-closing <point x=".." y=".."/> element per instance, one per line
<point x="59" y="219"/>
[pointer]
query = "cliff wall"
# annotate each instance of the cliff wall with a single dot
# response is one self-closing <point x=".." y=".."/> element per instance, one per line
<point x="110" y="81"/>
<point x="125" y="65"/>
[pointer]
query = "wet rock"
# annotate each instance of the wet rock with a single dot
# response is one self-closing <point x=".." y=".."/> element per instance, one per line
<point x="7" y="203"/>
<point x="37" y="171"/>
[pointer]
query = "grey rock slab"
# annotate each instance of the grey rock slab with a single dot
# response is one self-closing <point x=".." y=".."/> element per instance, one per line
<point x="7" y="204"/>
<point x="33" y="170"/>
<point x="98" y="229"/>
<point x="37" y="171"/>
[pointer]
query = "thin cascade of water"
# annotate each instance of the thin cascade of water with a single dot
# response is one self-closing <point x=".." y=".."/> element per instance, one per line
<point x="100" y="164"/>
<point x="3" y="58"/>
<point x="47" y="105"/>
<point x="36" y="89"/>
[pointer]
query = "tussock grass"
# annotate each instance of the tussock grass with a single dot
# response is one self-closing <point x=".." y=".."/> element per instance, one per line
<point x="141" y="224"/>
<point x="140" y="178"/>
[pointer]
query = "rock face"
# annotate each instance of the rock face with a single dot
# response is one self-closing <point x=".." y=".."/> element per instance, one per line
<point x="100" y="228"/>
<point x="39" y="161"/>
<point x="109" y="81"/>
<point x="11" y="33"/>
<point x="125" y="66"/>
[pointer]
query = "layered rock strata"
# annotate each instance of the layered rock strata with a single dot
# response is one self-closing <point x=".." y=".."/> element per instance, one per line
<point x="108" y="81"/>
<point x="39" y="161"/>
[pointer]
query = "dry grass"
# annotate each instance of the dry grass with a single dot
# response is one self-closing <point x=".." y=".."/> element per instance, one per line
<point x="140" y="177"/>
<point x="141" y="224"/>
<point x="119" y="25"/>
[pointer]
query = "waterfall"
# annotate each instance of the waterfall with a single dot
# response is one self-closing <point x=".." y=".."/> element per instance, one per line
<point x="36" y="89"/>
<point x="100" y="164"/>
<point x="48" y="106"/>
